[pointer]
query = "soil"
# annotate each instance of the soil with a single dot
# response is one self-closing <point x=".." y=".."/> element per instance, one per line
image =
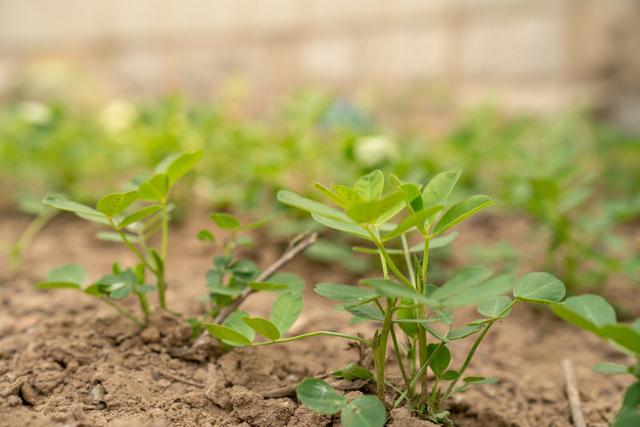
<point x="67" y="360"/>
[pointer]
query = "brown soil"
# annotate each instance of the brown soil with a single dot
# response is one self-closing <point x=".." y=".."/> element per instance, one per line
<point x="68" y="360"/>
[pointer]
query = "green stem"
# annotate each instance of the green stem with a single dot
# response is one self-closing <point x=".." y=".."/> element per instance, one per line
<point x="407" y="260"/>
<point x="473" y="350"/>
<point x="132" y="247"/>
<point x="126" y="313"/>
<point x="162" y="282"/>
<point x="422" y="333"/>
<point x="144" y="305"/>
<point x="28" y="235"/>
<point x="396" y="348"/>
<point x="418" y="375"/>
<point x="312" y="334"/>
<point x="380" y="350"/>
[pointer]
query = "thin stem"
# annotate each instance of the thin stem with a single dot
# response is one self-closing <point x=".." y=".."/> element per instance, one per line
<point x="407" y="259"/>
<point x="380" y="349"/>
<point x="312" y="334"/>
<point x="28" y="235"/>
<point x="165" y="233"/>
<point x="473" y="350"/>
<point x="144" y="305"/>
<point x="417" y="376"/>
<point x="396" y="348"/>
<point x="132" y="247"/>
<point x="126" y="313"/>
<point x="425" y="265"/>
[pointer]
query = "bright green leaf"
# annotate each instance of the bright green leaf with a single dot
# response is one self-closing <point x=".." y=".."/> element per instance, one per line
<point x="227" y="335"/>
<point x="319" y="396"/>
<point x="414" y="220"/>
<point x="155" y="189"/>
<point x="285" y="311"/>
<point x="495" y="307"/>
<point x="79" y="209"/>
<point x="364" y="411"/>
<point x="353" y="371"/>
<point x="541" y="288"/>
<point x="377" y="211"/>
<point x="138" y="215"/>
<point x="225" y="220"/>
<point x="392" y="289"/>
<point x="589" y="312"/>
<point x="114" y="203"/>
<point x="461" y="211"/>
<point x="438" y="190"/>
<point x="263" y="327"/>
<point x="370" y="186"/>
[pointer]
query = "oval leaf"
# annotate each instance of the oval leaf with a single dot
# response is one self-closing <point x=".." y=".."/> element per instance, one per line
<point x="370" y="186"/>
<point x="543" y="288"/>
<point x="114" y="203"/>
<point x="460" y="211"/>
<point x="320" y="396"/>
<point x="392" y="289"/>
<point x="227" y="335"/>
<point x="71" y="273"/>
<point x="365" y="411"/>
<point x="438" y="190"/>
<point x="495" y="307"/>
<point x="285" y="311"/>
<point x="343" y="293"/>
<point x="589" y="312"/>
<point x="263" y="327"/>
<point x="225" y="220"/>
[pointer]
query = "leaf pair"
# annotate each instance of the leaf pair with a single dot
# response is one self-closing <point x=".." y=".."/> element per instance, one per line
<point x="239" y="329"/>
<point x="320" y="396"/>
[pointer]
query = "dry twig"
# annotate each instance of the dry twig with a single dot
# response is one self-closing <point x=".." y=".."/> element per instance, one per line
<point x="572" y="394"/>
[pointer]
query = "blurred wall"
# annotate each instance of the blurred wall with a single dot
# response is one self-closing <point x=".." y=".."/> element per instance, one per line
<point x="533" y="54"/>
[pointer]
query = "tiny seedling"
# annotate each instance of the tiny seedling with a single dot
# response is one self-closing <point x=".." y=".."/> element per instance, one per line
<point x="594" y="314"/>
<point x="134" y="217"/>
<point x="414" y="314"/>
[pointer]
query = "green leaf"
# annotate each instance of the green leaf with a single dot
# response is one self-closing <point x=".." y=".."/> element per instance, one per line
<point x="460" y="211"/>
<point x="280" y="282"/>
<point x="450" y="375"/>
<point x="465" y="331"/>
<point x="292" y="199"/>
<point x="364" y="411"/>
<point x="138" y="215"/>
<point x="611" y="369"/>
<point x="343" y="293"/>
<point x="589" y="312"/>
<point x="365" y="311"/>
<point x="460" y="284"/>
<point x="370" y="186"/>
<point x="347" y="193"/>
<point x="346" y="225"/>
<point x="623" y="335"/>
<point x="495" y="307"/>
<point x="227" y="335"/>
<point x="480" y="380"/>
<point x="155" y="189"/>
<point x="483" y="291"/>
<point x="392" y="289"/>
<point x="235" y="322"/>
<point x="263" y="327"/>
<point x="81" y="210"/>
<point x="414" y="220"/>
<point x="58" y="285"/>
<point x="205" y="236"/>
<point x="285" y="311"/>
<point x="377" y="211"/>
<point x="439" y="356"/>
<point x="353" y="371"/>
<point x="114" y="203"/>
<point x="70" y="273"/>
<point x="176" y="166"/>
<point x="319" y="396"/>
<point x="543" y="288"/>
<point x="335" y="197"/>
<point x="225" y="220"/>
<point x="438" y="190"/>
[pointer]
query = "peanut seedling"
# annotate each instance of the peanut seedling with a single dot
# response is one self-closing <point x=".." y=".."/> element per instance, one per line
<point x="134" y="217"/>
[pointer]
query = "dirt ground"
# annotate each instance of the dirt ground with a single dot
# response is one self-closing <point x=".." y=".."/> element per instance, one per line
<point x="67" y="360"/>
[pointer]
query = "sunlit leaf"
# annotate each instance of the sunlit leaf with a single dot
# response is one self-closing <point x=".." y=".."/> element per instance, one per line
<point x="541" y="288"/>
<point x="460" y="211"/>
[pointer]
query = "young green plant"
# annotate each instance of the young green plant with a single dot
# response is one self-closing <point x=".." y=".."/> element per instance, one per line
<point x="415" y="315"/>
<point x="133" y="217"/>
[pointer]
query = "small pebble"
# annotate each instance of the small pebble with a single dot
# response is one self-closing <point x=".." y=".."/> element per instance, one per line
<point x="14" y="400"/>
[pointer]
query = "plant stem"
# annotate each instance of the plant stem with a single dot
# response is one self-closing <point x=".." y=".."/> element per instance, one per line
<point x="309" y="335"/>
<point x="417" y="376"/>
<point x="144" y="305"/>
<point x="422" y="333"/>
<point x="27" y="237"/>
<point x="396" y="348"/>
<point x="162" y="282"/>
<point x="407" y="259"/>
<point x="380" y="349"/>
<point x="132" y="247"/>
<point x="126" y="313"/>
